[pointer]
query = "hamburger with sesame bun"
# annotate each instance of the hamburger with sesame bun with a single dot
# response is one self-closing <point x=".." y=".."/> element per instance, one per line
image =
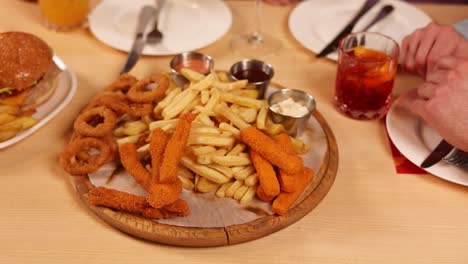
<point x="27" y="71"/>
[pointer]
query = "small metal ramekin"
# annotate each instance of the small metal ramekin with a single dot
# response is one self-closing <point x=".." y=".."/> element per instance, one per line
<point x="294" y="125"/>
<point x="183" y="58"/>
<point x="248" y="64"/>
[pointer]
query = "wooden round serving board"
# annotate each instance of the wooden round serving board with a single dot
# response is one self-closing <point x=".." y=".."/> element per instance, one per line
<point x="208" y="237"/>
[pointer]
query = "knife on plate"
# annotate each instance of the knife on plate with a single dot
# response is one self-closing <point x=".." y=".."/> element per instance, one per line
<point x="333" y="45"/>
<point x="146" y="13"/>
<point x="442" y="150"/>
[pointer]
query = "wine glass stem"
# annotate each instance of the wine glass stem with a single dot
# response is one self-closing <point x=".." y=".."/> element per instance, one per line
<point x="257" y="30"/>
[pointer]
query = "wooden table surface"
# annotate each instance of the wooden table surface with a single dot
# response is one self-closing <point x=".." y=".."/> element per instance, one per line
<point x="371" y="214"/>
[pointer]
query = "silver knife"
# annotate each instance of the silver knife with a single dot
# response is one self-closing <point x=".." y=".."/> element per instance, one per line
<point x="442" y="150"/>
<point x="347" y="29"/>
<point x="146" y="13"/>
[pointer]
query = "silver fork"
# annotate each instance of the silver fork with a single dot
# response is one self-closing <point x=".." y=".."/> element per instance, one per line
<point x="458" y="158"/>
<point x="155" y="36"/>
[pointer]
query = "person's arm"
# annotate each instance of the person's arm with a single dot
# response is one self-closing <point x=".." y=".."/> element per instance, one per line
<point x="442" y="100"/>
<point x="422" y="49"/>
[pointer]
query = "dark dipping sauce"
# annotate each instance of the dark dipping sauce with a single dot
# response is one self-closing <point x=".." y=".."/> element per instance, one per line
<point x="252" y="75"/>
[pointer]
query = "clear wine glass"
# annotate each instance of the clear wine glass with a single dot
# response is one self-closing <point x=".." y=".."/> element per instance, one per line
<point x="255" y="44"/>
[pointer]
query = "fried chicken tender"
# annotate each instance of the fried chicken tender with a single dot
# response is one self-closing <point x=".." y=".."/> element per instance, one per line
<point x="131" y="203"/>
<point x="130" y="161"/>
<point x="288" y="182"/>
<point x="175" y="148"/>
<point x="166" y="187"/>
<point x="266" y="175"/>
<point x="161" y="194"/>
<point x="285" y="200"/>
<point x="158" y="143"/>
<point x="262" y="196"/>
<point x="271" y="150"/>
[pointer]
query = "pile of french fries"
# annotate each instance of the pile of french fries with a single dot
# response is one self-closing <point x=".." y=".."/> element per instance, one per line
<point x="216" y="159"/>
<point x="13" y="121"/>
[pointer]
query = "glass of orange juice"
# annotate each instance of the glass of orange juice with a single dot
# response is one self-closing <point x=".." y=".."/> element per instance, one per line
<point x="64" y="14"/>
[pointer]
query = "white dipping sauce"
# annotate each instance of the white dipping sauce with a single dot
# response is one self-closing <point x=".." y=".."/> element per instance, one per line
<point x="290" y="107"/>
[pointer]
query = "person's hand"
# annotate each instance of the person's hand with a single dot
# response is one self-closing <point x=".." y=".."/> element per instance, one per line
<point x="423" y="48"/>
<point x="281" y="2"/>
<point x="442" y="101"/>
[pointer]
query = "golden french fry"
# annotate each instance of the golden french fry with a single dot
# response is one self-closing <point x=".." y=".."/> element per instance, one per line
<point x="227" y="127"/>
<point x="223" y="77"/>
<point x="167" y="100"/>
<point x="205" y="83"/>
<point x="204" y="171"/>
<point x="204" y="159"/>
<point x="221" y="192"/>
<point x="8" y="109"/>
<point x="204" y="185"/>
<point x="299" y="146"/>
<point x="232" y="189"/>
<point x="197" y="77"/>
<point x="147" y="119"/>
<point x="261" y="117"/>
<point x="243" y="173"/>
<point x="230" y="161"/>
<point x="129" y="139"/>
<point x="186" y="183"/>
<point x="248" y="114"/>
<point x="225" y="111"/>
<point x="7" y="134"/>
<point x="184" y="172"/>
<point x="162" y="123"/>
<point x="203" y="118"/>
<point x="191" y="75"/>
<point x="223" y="169"/>
<point x="197" y="179"/>
<point x="240" y="192"/>
<point x="134" y="128"/>
<point x="177" y="106"/>
<point x="272" y="128"/>
<point x="192" y="105"/>
<point x="6" y="117"/>
<point x="20" y="123"/>
<point x="198" y="151"/>
<point x="251" y="180"/>
<point x="238" y="148"/>
<point x="248" y="195"/>
<point x="251" y="93"/>
<point x="213" y="101"/>
<point x="205" y="96"/>
<point x="241" y="100"/>
<point x="210" y="140"/>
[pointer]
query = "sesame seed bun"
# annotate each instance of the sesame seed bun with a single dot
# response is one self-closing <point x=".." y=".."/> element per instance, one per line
<point x="24" y="59"/>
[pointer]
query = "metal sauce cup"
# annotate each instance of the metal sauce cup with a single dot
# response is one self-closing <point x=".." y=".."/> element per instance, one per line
<point x="294" y="125"/>
<point x="262" y="69"/>
<point x="196" y="61"/>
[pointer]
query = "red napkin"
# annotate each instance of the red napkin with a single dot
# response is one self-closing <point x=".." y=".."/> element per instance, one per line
<point x="402" y="164"/>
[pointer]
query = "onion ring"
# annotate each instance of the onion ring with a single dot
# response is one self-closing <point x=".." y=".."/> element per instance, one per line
<point x="122" y="84"/>
<point x="87" y="156"/>
<point x="121" y="104"/>
<point x="138" y="94"/>
<point x="82" y="126"/>
<point x="73" y="165"/>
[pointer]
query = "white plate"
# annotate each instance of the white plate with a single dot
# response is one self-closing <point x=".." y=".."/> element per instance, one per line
<point x="186" y="24"/>
<point x="66" y="88"/>
<point x="415" y="140"/>
<point x="315" y="23"/>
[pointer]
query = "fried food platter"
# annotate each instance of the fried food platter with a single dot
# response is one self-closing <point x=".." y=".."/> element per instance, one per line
<point x="213" y="220"/>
